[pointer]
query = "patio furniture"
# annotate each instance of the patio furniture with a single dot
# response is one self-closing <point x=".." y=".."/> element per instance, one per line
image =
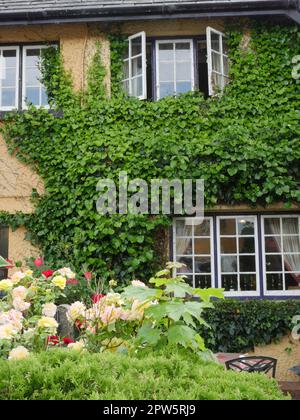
<point x="296" y="370"/>
<point x="253" y="364"/>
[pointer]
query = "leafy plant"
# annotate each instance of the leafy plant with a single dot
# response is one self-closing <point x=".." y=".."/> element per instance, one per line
<point x="166" y="375"/>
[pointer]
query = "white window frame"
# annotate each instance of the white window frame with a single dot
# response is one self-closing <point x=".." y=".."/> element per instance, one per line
<point x="210" y="50"/>
<point x="16" y="106"/>
<point x="25" y="49"/>
<point x="130" y="78"/>
<point x="265" y="272"/>
<point x="239" y="293"/>
<point x="193" y="255"/>
<point x="174" y="41"/>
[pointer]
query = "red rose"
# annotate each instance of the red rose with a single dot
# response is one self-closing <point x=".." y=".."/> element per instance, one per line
<point x="73" y="281"/>
<point x="38" y="262"/>
<point x="48" y="273"/>
<point x="53" y="339"/>
<point x="68" y="341"/>
<point x="97" y="298"/>
<point x="88" y="275"/>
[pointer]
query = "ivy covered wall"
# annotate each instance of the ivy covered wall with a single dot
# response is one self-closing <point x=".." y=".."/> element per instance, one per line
<point x="244" y="144"/>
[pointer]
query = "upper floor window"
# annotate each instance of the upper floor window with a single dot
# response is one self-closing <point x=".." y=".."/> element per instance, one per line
<point x="174" y="67"/>
<point x="20" y="77"/>
<point x="154" y="69"/>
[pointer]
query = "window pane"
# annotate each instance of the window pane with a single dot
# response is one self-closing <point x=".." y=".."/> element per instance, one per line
<point x="290" y="226"/>
<point x="273" y="244"/>
<point x="33" y="57"/>
<point x="226" y="65"/>
<point x="183" y="71"/>
<point x="166" y="71"/>
<point x="230" y="282"/>
<point x="166" y="52"/>
<point x="166" y="89"/>
<point x="126" y="86"/>
<point x="136" y="46"/>
<point x="215" y="42"/>
<point x="137" y="66"/>
<point x="224" y="45"/>
<point x="246" y="226"/>
<point x="33" y="77"/>
<point x="202" y="246"/>
<point x="229" y="264"/>
<point x="10" y="58"/>
<point x="203" y="282"/>
<point x="8" y="97"/>
<point x="291" y="243"/>
<point x="228" y="246"/>
<point x="216" y="62"/>
<point x="247" y="264"/>
<point x="203" y="229"/>
<point x="292" y="262"/>
<point x="182" y="229"/>
<point x="183" y="87"/>
<point x="274" y="282"/>
<point x="189" y="280"/>
<point x="274" y="263"/>
<point x="45" y="100"/>
<point x="228" y="227"/>
<point x="272" y="226"/>
<point x="202" y="265"/>
<point x="137" y="86"/>
<point x="9" y="79"/>
<point x="184" y="246"/>
<point x="33" y="96"/>
<point x="188" y="261"/>
<point x="248" y="282"/>
<point x="126" y="69"/>
<point x="292" y="281"/>
<point x="183" y="51"/>
<point x="246" y="245"/>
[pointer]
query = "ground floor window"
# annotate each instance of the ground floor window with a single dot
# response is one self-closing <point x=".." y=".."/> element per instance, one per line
<point x="3" y="249"/>
<point x="247" y="255"/>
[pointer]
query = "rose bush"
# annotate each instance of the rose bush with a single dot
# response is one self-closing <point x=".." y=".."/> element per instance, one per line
<point x="167" y="313"/>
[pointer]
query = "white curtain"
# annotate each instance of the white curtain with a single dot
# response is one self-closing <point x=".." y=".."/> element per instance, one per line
<point x="291" y="244"/>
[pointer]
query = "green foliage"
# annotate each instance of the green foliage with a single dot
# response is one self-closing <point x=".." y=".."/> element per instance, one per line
<point x="173" y="317"/>
<point x="239" y="326"/>
<point x="244" y="144"/>
<point x="168" y="375"/>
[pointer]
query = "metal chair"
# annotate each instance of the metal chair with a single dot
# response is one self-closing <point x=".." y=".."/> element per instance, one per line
<point x="253" y="364"/>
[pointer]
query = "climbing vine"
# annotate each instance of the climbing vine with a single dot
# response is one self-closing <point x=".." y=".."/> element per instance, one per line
<point x="244" y="144"/>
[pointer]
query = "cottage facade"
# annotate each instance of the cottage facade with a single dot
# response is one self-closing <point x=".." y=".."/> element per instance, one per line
<point x="174" y="47"/>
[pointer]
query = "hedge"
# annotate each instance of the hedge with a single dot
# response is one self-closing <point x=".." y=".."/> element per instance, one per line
<point x="67" y="375"/>
<point x="239" y="326"/>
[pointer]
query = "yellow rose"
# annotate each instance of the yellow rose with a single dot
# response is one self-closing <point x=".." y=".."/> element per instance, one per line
<point x="29" y="273"/>
<point x="48" y="323"/>
<point x="5" y="285"/>
<point x="60" y="282"/>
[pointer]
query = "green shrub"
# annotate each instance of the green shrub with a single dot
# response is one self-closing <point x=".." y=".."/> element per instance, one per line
<point x="239" y="326"/>
<point x="65" y="375"/>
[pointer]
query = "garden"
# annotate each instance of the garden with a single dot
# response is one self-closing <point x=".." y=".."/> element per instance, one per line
<point x="139" y="343"/>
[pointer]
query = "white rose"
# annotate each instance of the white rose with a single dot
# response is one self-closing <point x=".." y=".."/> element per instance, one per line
<point x="20" y="292"/>
<point x="20" y="305"/>
<point x="49" y="310"/>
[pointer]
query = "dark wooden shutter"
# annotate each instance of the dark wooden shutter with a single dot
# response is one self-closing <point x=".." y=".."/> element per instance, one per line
<point x="3" y="249"/>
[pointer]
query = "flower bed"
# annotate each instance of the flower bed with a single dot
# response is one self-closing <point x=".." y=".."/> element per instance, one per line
<point x="167" y="313"/>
